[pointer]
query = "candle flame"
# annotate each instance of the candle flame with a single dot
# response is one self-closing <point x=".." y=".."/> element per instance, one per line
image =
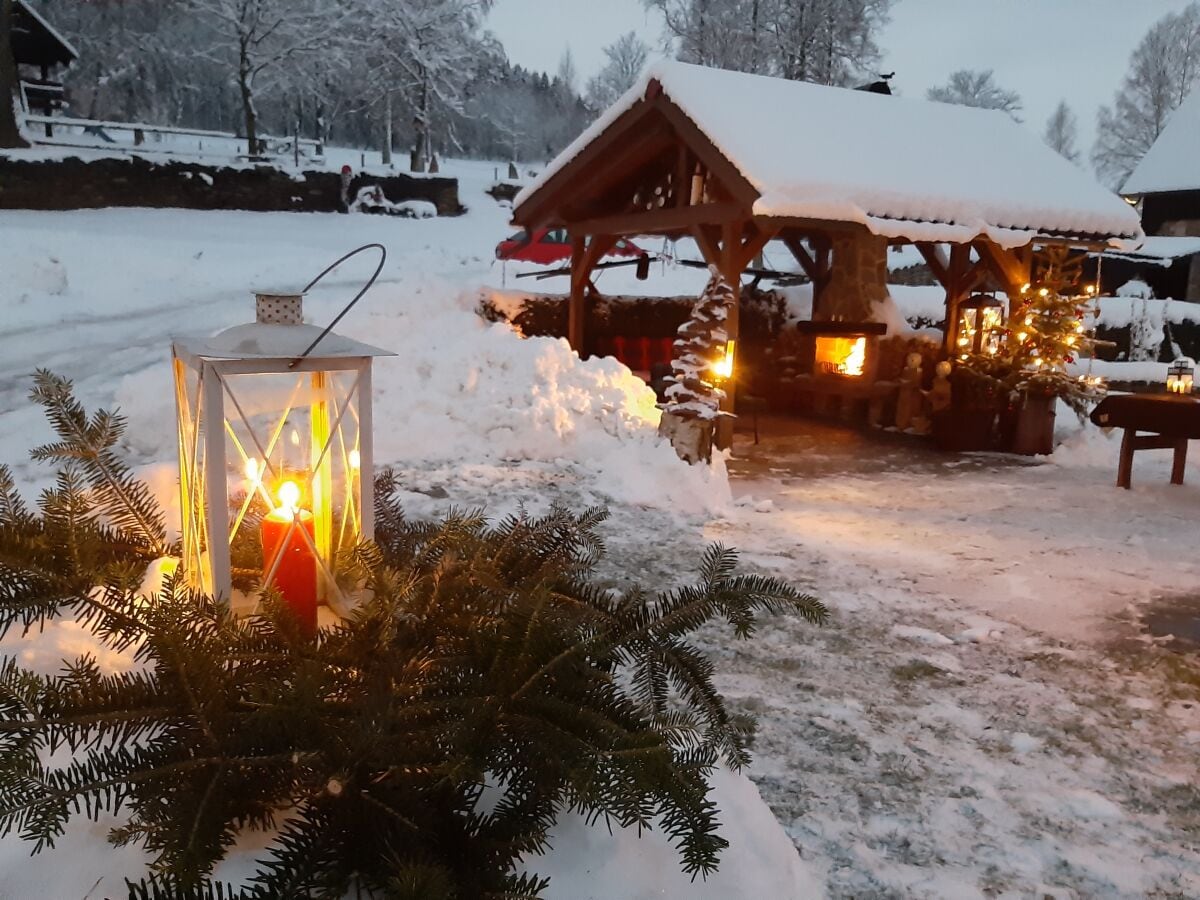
<point x="354" y="459"/>
<point x="289" y="496"/>
<point x="252" y="470"/>
<point x="295" y="438"/>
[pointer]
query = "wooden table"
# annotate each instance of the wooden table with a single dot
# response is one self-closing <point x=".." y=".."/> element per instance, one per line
<point x="1169" y="420"/>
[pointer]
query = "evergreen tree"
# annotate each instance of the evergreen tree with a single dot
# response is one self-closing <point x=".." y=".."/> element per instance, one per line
<point x="1046" y="332"/>
<point x="692" y="392"/>
<point x="414" y="751"/>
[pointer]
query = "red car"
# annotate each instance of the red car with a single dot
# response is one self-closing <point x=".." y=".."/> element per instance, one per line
<point x="552" y="245"/>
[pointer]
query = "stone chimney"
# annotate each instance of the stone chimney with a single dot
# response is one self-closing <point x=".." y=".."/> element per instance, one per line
<point x="857" y="278"/>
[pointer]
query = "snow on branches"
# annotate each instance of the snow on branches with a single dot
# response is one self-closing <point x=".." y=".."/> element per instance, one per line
<point x="693" y="392"/>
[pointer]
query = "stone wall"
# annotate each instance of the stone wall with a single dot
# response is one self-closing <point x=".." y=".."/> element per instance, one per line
<point x="134" y="181"/>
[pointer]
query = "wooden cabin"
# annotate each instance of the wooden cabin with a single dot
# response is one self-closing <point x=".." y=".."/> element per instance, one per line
<point x="1165" y="185"/>
<point x="735" y="161"/>
<point x="41" y="53"/>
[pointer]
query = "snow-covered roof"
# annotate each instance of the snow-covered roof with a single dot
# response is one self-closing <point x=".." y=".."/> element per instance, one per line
<point x="1173" y="161"/>
<point x="1161" y="249"/>
<point x="903" y="167"/>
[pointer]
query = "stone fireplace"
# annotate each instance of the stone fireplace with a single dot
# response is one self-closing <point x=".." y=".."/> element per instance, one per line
<point x="843" y="335"/>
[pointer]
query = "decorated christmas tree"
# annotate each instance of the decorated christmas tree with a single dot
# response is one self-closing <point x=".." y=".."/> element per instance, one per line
<point x="1046" y="333"/>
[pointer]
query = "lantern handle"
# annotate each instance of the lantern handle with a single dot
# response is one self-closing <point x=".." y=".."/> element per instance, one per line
<point x="366" y="287"/>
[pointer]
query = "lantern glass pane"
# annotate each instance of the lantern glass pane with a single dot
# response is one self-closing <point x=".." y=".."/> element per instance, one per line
<point x="262" y="448"/>
<point x="296" y="429"/>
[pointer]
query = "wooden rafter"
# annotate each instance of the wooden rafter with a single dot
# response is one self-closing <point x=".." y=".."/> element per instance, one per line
<point x="1011" y="267"/>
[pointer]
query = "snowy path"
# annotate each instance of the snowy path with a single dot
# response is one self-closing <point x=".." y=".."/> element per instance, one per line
<point x="980" y="719"/>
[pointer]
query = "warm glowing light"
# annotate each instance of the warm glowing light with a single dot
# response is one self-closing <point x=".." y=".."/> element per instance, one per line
<point x="856" y="359"/>
<point x="723" y="368"/>
<point x="295" y="438"/>
<point x="1045" y="292"/>
<point x="1091" y="289"/>
<point x="1029" y="320"/>
<point x="1021" y="336"/>
<point x="841" y="355"/>
<point x="354" y="459"/>
<point x="289" y="496"/>
<point x="252" y="472"/>
<point x="1025" y="287"/>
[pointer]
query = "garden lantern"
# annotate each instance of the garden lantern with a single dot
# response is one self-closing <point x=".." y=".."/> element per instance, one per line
<point x="980" y="323"/>
<point x="275" y="458"/>
<point x="723" y="367"/>
<point x="1179" y="375"/>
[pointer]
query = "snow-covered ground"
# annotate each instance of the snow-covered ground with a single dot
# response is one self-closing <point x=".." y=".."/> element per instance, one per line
<point x="981" y="718"/>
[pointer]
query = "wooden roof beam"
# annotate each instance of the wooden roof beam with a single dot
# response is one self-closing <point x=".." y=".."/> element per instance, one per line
<point x="656" y="221"/>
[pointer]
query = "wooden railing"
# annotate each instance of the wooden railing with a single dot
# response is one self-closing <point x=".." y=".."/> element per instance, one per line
<point x="76" y="132"/>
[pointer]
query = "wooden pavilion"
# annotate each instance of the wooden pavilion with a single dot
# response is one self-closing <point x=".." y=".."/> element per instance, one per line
<point x="736" y="160"/>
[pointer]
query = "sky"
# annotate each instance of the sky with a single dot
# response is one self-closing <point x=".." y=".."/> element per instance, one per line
<point x="1046" y="50"/>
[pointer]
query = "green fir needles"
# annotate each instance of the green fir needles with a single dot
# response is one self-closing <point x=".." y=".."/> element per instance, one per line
<point x="415" y="751"/>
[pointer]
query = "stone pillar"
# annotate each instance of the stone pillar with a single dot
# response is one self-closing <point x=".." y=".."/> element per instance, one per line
<point x="858" y="277"/>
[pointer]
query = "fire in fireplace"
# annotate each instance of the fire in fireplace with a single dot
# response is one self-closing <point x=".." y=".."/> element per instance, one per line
<point x="841" y="355"/>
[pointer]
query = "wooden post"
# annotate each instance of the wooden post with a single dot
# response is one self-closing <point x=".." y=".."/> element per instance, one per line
<point x="731" y="267"/>
<point x="575" y="310"/>
<point x="584" y="256"/>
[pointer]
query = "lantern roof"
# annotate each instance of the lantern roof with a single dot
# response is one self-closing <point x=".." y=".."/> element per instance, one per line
<point x="279" y="332"/>
<point x="258" y="340"/>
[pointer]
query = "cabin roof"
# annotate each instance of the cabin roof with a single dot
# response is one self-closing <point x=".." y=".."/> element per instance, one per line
<point x="35" y="41"/>
<point x="1173" y="161"/>
<point x="905" y="168"/>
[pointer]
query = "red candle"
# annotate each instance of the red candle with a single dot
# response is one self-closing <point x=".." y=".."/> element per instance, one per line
<point x="283" y="537"/>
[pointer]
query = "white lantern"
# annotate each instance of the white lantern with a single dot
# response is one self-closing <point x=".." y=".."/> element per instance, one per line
<point x="275" y="458"/>
<point x="1180" y="374"/>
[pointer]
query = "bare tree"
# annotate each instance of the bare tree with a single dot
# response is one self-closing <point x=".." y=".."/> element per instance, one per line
<point x="825" y="41"/>
<point x="255" y="37"/>
<point x="567" y="75"/>
<point x="1062" y="130"/>
<point x="1162" y="70"/>
<point x="10" y="130"/>
<point x="968" y="87"/>
<point x="627" y="57"/>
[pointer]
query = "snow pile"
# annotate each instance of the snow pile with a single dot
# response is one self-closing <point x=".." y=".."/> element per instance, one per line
<point x="586" y="863"/>
<point x="1135" y="288"/>
<point x="464" y="400"/>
